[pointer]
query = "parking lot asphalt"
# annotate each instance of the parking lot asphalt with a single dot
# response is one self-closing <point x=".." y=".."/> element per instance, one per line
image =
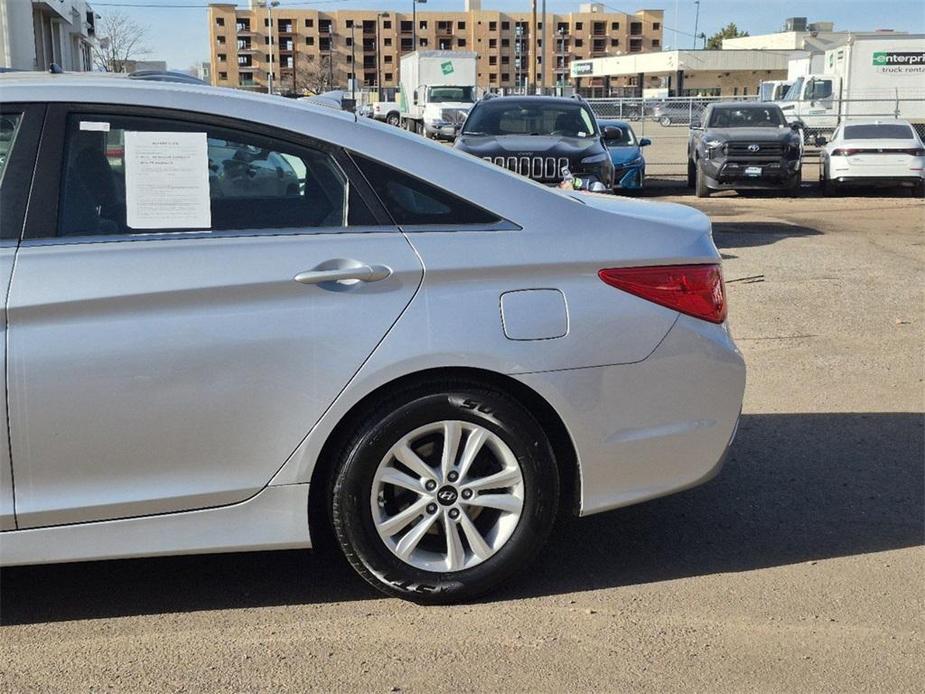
<point x="799" y="568"/>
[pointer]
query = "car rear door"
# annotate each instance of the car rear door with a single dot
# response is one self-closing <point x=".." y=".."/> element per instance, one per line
<point x="162" y="355"/>
<point x="20" y="126"/>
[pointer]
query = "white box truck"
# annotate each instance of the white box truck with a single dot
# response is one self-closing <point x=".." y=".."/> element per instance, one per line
<point x="864" y="77"/>
<point x="437" y="90"/>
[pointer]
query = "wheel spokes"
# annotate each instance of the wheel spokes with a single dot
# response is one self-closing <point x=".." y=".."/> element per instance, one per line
<point x="392" y="525"/>
<point x="410" y="460"/>
<point x="400" y="479"/>
<point x="479" y="547"/>
<point x="499" y="480"/>
<point x="411" y="539"/>
<point x="474" y="443"/>
<point x="503" y="502"/>
<point x="452" y="433"/>
<point x="455" y="553"/>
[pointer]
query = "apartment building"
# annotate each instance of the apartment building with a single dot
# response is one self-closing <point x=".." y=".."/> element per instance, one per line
<point x="246" y="44"/>
<point x="36" y="33"/>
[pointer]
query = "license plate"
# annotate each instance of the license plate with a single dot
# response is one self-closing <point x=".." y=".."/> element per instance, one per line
<point x="752" y="170"/>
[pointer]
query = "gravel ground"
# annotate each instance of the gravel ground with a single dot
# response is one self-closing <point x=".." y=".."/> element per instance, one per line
<point x="800" y="568"/>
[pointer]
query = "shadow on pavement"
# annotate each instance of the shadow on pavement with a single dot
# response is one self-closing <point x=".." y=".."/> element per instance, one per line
<point x="749" y="234"/>
<point x="796" y="487"/>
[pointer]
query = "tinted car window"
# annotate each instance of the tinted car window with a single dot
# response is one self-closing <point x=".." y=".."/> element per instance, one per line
<point x="878" y="131"/>
<point x="412" y="201"/>
<point x="509" y="117"/>
<point x="746" y="117"/>
<point x="253" y="183"/>
<point x="9" y="126"/>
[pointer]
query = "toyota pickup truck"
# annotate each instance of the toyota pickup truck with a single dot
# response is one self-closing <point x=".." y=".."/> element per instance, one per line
<point x="744" y="146"/>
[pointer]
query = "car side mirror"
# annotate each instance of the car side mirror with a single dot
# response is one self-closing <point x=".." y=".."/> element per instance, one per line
<point x="696" y="124"/>
<point x="820" y="141"/>
<point x="645" y="142"/>
<point x="612" y="133"/>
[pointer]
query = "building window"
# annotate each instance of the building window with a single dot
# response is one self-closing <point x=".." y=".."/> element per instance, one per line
<point x="220" y="40"/>
<point x="349" y="58"/>
<point x="505" y="77"/>
<point x="579" y="43"/>
<point x="387" y="59"/>
<point x="405" y="45"/>
<point x="387" y="24"/>
<point x="219" y="22"/>
<point x="616" y="42"/>
<point x="349" y="41"/>
<point x="562" y="28"/>
<point x="386" y="42"/>
<point x="505" y="59"/>
<point x="505" y="43"/>
<point x="492" y="76"/>
<point x="266" y="21"/>
<point x="461" y="26"/>
<point x="423" y="42"/>
<point x="493" y="26"/>
<point x="656" y="43"/>
<point x="656" y="26"/>
<point x="461" y="43"/>
<point x="505" y="26"/>
<point x="635" y="28"/>
<point x="615" y="26"/>
<point x="222" y="57"/>
<point x="579" y="26"/>
<point x="309" y="40"/>
<point x="348" y="24"/>
<point x="492" y="60"/>
<point x="309" y="23"/>
<point x="407" y="27"/>
<point x="422" y="24"/>
<point x="387" y="76"/>
<point x="223" y="75"/>
<point x="492" y="43"/>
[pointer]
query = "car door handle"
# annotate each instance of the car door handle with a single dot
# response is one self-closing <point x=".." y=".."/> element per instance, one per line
<point x="343" y="271"/>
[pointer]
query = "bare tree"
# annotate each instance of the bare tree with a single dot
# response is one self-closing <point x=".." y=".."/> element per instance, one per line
<point x="312" y="76"/>
<point x="120" y="39"/>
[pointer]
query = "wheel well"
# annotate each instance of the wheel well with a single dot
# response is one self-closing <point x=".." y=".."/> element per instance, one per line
<point x="322" y="476"/>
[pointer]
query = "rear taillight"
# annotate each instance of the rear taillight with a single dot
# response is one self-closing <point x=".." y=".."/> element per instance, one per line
<point x="696" y="290"/>
<point x="845" y="152"/>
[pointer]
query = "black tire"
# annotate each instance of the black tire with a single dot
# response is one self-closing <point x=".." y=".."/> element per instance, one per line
<point x="700" y="185"/>
<point x="691" y="173"/>
<point x="393" y="119"/>
<point x="385" y="424"/>
<point x="793" y="190"/>
<point x="665" y="121"/>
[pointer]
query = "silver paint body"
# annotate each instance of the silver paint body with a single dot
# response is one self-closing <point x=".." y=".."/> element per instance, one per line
<point x="171" y="394"/>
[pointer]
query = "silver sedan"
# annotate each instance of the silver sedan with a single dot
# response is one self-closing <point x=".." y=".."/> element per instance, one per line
<point x="238" y="322"/>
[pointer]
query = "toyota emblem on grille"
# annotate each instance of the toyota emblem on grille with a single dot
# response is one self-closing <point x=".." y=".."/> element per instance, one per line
<point x="754" y="148"/>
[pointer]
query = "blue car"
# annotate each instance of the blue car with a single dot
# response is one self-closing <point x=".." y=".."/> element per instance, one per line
<point x="625" y="153"/>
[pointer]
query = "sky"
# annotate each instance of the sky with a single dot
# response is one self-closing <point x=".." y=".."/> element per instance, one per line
<point x="178" y="29"/>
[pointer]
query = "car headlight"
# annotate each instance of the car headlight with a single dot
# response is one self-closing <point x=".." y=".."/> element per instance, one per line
<point x="712" y="144"/>
<point x="634" y="162"/>
<point x="596" y="158"/>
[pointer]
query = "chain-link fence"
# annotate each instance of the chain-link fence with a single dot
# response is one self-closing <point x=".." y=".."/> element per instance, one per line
<point x="667" y="122"/>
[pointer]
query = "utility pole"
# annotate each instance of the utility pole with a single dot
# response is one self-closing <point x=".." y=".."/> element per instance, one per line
<point x="414" y="23"/>
<point x="533" y="47"/>
<point x="353" y="59"/>
<point x="270" y="4"/>
<point x="696" y="23"/>
<point x="542" y="39"/>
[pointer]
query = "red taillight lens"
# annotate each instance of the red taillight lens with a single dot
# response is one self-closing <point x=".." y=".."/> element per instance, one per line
<point x="696" y="290"/>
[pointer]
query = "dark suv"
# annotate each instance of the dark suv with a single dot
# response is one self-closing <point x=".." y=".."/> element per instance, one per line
<point x="744" y="146"/>
<point x="541" y="137"/>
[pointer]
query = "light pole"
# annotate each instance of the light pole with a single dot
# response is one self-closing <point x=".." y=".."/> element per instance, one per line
<point x="270" y="4"/>
<point x="561" y="80"/>
<point x="696" y="23"/>
<point x="353" y="63"/>
<point x="542" y="36"/>
<point x="379" y="15"/>
<point x="414" y="23"/>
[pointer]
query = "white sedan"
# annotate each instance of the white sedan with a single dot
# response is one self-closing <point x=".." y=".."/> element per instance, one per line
<point x="417" y="351"/>
<point x="872" y="153"/>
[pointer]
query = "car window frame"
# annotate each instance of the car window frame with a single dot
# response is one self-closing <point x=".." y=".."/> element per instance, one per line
<point x="19" y="176"/>
<point x="41" y="218"/>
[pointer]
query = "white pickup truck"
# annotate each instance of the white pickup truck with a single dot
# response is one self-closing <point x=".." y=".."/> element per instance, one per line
<point x="387" y="111"/>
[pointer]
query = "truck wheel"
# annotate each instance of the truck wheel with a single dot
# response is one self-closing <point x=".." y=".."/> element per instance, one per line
<point x="793" y="190"/>
<point x="691" y="173"/>
<point x="665" y="121"/>
<point x="700" y="184"/>
<point x="393" y="119"/>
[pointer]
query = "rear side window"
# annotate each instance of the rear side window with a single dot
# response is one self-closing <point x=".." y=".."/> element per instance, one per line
<point x="9" y="126"/>
<point x="411" y="201"/>
<point x="127" y="174"/>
